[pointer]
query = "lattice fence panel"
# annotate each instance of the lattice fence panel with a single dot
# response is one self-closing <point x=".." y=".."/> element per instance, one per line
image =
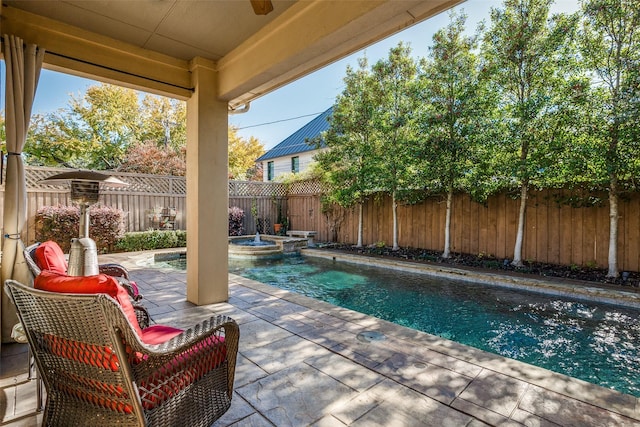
<point x="138" y="183"/>
<point x="256" y="189"/>
<point x="305" y="187"/>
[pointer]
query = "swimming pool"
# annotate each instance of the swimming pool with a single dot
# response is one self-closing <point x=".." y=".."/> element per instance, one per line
<point x="595" y="342"/>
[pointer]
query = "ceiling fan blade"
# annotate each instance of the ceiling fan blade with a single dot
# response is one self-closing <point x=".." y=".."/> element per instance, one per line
<point x="262" y="7"/>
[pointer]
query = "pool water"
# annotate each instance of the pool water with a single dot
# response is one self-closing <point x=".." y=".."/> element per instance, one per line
<point x="597" y="343"/>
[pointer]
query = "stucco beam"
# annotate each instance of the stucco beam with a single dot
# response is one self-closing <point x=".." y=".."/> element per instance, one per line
<point x="310" y="35"/>
<point x="83" y="53"/>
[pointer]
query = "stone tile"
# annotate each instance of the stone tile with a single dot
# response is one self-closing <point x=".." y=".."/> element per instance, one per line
<point x="483" y="414"/>
<point x="406" y="407"/>
<point x="8" y="402"/>
<point x="254" y="420"/>
<point x="282" y="353"/>
<point x="278" y="308"/>
<point x="530" y="420"/>
<point x="569" y="412"/>
<point x="259" y="333"/>
<point x="328" y="421"/>
<point x="247" y="371"/>
<point x="239" y="411"/>
<point x="477" y="423"/>
<point x="346" y="371"/>
<point x="26" y="398"/>
<point x="183" y="318"/>
<point x="326" y="336"/>
<point x="292" y="324"/>
<point x="364" y="402"/>
<point x="439" y="383"/>
<point x="423" y="352"/>
<point x="296" y="396"/>
<point x="495" y="391"/>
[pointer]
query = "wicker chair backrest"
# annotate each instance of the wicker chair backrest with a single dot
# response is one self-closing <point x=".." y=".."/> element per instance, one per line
<point x="79" y="353"/>
<point x="97" y="371"/>
<point x="29" y="256"/>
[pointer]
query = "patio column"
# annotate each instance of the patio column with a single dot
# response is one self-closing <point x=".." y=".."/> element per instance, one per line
<point x="207" y="188"/>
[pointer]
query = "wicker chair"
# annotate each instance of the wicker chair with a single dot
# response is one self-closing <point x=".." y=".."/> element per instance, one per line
<point x="97" y="371"/>
<point x="117" y="271"/>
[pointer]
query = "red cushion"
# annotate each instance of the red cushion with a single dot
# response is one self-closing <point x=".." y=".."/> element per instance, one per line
<point x="99" y="284"/>
<point x="55" y="282"/>
<point x="157" y="334"/>
<point x="49" y="256"/>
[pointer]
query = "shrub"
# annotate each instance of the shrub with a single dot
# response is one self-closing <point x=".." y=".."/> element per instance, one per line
<point x="62" y="223"/>
<point x="153" y="239"/>
<point x="236" y="221"/>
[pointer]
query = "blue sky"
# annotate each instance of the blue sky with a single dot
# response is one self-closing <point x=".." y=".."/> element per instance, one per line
<point x="310" y="95"/>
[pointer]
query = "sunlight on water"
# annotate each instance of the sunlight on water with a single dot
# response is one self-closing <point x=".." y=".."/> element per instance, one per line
<point x="594" y="342"/>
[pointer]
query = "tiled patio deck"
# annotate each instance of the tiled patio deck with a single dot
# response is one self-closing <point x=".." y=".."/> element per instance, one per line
<point x="301" y="363"/>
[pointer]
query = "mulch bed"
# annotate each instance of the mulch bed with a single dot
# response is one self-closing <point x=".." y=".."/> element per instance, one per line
<point x="488" y="262"/>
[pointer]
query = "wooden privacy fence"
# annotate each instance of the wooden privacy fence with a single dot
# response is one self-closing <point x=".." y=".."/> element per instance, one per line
<point x="556" y="231"/>
<point x="147" y="195"/>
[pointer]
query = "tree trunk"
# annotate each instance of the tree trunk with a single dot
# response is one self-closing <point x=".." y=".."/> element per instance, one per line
<point x="359" y="245"/>
<point x="613" y="232"/>
<point x="517" y="250"/>
<point x="447" y="226"/>
<point x="395" y="222"/>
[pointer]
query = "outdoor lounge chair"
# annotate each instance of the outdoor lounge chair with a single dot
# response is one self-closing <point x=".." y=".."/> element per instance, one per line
<point x="99" y="369"/>
<point x="49" y="256"/>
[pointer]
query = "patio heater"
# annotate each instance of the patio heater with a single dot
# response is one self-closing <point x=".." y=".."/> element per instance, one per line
<point x="85" y="190"/>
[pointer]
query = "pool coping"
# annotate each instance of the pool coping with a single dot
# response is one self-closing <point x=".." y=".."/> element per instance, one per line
<point x="559" y="287"/>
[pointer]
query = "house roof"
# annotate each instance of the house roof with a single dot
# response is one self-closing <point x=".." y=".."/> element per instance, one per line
<point x="297" y="142"/>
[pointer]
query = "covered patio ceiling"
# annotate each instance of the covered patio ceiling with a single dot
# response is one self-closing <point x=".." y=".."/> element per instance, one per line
<point x="151" y="44"/>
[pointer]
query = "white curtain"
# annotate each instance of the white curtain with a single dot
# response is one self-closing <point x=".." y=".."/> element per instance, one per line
<point x="23" y="65"/>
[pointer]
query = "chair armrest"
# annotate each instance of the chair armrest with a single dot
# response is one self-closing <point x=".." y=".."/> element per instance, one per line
<point x="115" y="270"/>
<point x="198" y="352"/>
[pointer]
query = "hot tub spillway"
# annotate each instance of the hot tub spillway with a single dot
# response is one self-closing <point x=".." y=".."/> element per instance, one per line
<point x="258" y="246"/>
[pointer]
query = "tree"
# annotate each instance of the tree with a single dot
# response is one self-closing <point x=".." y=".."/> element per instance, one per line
<point x="610" y="47"/>
<point x="522" y="52"/>
<point x="242" y="154"/>
<point x="164" y="120"/>
<point x="109" y="120"/>
<point x="348" y="162"/>
<point x="111" y="127"/>
<point x="395" y="124"/>
<point x="150" y="158"/>
<point x="452" y="113"/>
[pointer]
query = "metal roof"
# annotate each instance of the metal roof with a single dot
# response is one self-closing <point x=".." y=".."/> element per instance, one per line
<point x="297" y="141"/>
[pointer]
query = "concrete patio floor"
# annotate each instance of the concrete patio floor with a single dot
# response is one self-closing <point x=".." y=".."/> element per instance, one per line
<point x="303" y="362"/>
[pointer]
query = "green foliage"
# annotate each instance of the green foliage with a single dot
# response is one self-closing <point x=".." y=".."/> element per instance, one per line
<point x="523" y="53"/>
<point x="61" y="223"/>
<point x="153" y="239"/>
<point x="111" y="127"/>
<point x="395" y="83"/>
<point x="350" y="162"/>
<point x="242" y="155"/>
<point x="610" y="48"/>
<point x="456" y="111"/>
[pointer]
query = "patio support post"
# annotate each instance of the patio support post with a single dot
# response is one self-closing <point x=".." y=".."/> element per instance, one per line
<point x="207" y="189"/>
